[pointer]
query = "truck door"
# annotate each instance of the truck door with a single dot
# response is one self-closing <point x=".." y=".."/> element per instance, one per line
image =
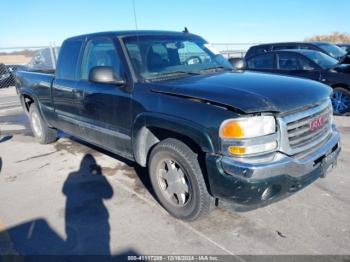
<point x="106" y="109"/>
<point x="66" y="96"/>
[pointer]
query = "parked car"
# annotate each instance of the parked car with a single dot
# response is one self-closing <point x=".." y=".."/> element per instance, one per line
<point x="5" y="76"/>
<point x="309" y="64"/>
<point x="324" y="47"/>
<point x="173" y="104"/>
<point x="345" y="47"/>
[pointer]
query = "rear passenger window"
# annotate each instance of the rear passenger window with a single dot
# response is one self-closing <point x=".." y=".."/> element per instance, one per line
<point x="100" y="52"/>
<point x="68" y="59"/>
<point x="261" y="62"/>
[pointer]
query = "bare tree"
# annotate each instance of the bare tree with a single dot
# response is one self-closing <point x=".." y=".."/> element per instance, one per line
<point x="334" y="37"/>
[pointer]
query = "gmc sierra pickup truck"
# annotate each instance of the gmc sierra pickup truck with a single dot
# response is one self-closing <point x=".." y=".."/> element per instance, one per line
<point x="173" y="104"/>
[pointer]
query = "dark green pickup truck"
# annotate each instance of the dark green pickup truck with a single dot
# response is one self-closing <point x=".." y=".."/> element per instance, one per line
<point x="172" y="103"/>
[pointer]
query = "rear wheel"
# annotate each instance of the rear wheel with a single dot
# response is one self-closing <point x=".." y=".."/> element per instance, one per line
<point x="178" y="181"/>
<point x="341" y="100"/>
<point x="42" y="132"/>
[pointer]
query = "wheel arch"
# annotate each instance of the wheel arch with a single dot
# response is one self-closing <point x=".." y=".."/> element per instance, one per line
<point x="26" y="100"/>
<point x="341" y="85"/>
<point x="150" y="129"/>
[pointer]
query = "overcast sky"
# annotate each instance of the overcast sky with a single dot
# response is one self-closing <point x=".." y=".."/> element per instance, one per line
<point x="39" y="22"/>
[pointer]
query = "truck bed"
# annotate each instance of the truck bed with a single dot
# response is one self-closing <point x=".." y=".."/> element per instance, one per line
<point x="35" y="81"/>
<point x="36" y="85"/>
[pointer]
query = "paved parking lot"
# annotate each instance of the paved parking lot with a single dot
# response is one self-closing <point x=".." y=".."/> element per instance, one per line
<point x="50" y="204"/>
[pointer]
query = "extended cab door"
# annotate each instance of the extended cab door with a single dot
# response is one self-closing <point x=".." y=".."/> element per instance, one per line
<point x="66" y="96"/>
<point x="106" y="112"/>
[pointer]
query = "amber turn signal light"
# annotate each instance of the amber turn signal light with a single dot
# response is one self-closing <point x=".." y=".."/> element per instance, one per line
<point x="232" y="129"/>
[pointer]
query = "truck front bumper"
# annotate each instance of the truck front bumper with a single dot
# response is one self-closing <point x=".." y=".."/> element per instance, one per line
<point x="251" y="185"/>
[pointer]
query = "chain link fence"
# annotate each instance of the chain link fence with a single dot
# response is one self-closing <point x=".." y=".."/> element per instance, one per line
<point x="37" y="58"/>
<point x="43" y="59"/>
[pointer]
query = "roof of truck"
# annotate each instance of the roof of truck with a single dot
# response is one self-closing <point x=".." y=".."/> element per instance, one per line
<point x="131" y="33"/>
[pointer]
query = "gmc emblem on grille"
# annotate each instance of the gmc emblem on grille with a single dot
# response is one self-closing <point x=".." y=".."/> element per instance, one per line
<point x="317" y="122"/>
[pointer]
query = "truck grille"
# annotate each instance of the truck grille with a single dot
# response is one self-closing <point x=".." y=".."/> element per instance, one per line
<point x="307" y="129"/>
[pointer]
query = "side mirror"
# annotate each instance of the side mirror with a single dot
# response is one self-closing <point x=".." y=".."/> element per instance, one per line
<point x="238" y="63"/>
<point x="104" y="75"/>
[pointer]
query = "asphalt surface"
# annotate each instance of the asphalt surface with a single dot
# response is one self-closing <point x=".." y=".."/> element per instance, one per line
<point x="49" y="204"/>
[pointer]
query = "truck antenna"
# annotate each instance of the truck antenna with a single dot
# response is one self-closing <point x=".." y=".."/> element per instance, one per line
<point x="135" y="16"/>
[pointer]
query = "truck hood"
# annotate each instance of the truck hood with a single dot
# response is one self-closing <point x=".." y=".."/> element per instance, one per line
<point x="247" y="91"/>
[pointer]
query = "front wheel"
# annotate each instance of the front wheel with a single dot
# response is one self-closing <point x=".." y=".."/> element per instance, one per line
<point x="340" y="101"/>
<point x="178" y="181"/>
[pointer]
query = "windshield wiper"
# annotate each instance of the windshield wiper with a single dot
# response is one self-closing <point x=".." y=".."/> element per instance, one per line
<point x="172" y="74"/>
<point x="180" y="73"/>
<point x="215" y="69"/>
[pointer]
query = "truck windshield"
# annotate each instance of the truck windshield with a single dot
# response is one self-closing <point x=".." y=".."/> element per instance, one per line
<point x="156" y="57"/>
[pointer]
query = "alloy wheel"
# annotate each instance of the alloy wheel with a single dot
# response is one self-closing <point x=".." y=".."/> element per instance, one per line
<point x="340" y="102"/>
<point x="174" y="183"/>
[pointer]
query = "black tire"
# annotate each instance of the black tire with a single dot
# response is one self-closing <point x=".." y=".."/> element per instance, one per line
<point x="199" y="201"/>
<point x="344" y="92"/>
<point x="46" y="135"/>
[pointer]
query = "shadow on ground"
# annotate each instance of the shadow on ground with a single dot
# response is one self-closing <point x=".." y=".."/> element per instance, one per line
<point x="86" y="223"/>
<point x="130" y="168"/>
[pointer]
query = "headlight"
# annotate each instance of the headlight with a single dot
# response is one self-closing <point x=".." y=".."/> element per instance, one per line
<point x="248" y="127"/>
<point x="249" y="136"/>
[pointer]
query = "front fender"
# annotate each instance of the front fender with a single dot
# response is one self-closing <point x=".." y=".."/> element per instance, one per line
<point x="143" y="139"/>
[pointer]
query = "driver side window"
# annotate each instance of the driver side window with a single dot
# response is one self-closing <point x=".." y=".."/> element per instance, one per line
<point x="289" y="61"/>
<point x="100" y="52"/>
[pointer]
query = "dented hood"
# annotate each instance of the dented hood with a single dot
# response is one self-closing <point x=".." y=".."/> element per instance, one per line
<point x="246" y="91"/>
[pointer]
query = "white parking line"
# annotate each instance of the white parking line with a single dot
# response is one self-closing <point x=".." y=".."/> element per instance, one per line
<point x="200" y="234"/>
